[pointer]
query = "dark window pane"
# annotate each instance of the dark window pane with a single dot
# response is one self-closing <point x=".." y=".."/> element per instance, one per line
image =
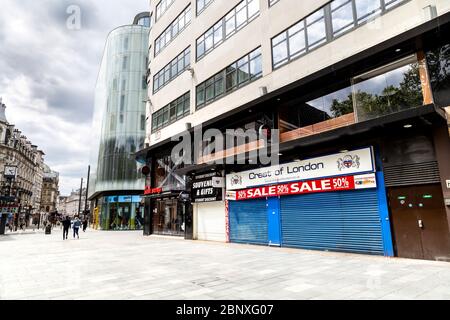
<point x="439" y="69"/>
<point x="385" y="91"/>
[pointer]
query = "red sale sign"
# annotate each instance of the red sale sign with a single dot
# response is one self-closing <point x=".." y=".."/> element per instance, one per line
<point x="303" y="187"/>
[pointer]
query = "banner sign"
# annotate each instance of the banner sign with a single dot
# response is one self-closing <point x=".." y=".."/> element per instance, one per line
<point x="7" y="210"/>
<point x="207" y="188"/>
<point x="149" y="191"/>
<point x="304" y="187"/>
<point x="340" y="164"/>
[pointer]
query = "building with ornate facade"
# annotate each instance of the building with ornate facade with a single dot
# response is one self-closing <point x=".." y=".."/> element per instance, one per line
<point x="50" y="190"/>
<point x="70" y="205"/>
<point x="20" y="173"/>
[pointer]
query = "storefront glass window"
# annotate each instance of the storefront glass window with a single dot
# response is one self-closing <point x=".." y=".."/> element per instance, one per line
<point x="169" y="218"/>
<point x="387" y="90"/>
<point x="121" y="213"/>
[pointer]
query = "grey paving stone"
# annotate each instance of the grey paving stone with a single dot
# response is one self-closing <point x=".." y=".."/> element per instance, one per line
<point x="126" y="265"/>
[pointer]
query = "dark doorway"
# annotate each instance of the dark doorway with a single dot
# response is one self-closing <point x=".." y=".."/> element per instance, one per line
<point x="3" y="218"/>
<point x="419" y="222"/>
<point x="189" y="235"/>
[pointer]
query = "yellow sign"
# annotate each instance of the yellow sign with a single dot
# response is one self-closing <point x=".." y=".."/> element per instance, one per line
<point x="96" y="213"/>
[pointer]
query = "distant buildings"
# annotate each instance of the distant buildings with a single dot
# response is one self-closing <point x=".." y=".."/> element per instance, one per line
<point x="70" y="205"/>
<point x="21" y="174"/>
<point x="61" y="205"/>
<point x="50" y="190"/>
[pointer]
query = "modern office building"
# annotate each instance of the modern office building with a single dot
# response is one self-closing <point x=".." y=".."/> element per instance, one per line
<point x="355" y="91"/>
<point x="119" y="127"/>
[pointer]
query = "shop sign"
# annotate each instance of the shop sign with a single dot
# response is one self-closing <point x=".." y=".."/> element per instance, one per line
<point x="185" y="196"/>
<point x="231" y="195"/>
<point x="7" y="210"/>
<point x="207" y="188"/>
<point x="346" y="183"/>
<point x="149" y="191"/>
<point x="340" y="164"/>
<point x="448" y="184"/>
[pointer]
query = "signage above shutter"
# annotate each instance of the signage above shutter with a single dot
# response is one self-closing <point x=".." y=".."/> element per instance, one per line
<point x="207" y="188"/>
<point x="340" y="164"/>
<point x="347" y="183"/>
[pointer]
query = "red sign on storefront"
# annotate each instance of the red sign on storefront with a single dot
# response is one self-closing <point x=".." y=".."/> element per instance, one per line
<point x="149" y="191"/>
<point x="303" y="187"/>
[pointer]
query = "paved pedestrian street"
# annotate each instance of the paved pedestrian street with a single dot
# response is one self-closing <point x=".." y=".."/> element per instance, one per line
<point x="126" y="265"/>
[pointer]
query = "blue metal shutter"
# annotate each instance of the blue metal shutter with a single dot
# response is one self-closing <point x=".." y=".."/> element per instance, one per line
<point x="338" y="221"/>
<point x="248" y="221"/>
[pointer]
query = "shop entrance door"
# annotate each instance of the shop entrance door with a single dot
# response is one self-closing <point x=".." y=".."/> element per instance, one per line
<point x="273" y="211"/>
<point x="419" y="222"/>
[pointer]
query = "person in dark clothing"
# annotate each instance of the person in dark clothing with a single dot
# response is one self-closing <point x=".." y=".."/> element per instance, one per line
<point x="66" y="226"/>
<point x="85" y="225"/>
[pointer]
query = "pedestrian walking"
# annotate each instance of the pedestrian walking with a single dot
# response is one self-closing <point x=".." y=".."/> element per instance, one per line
<point x="85" y="224"/>
<point x="66" y="226"/>
<point x="76" y="227"/>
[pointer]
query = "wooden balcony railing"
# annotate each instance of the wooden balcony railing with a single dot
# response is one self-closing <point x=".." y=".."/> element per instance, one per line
<point x="320" y="127"/>
<point x="217" y="156"/>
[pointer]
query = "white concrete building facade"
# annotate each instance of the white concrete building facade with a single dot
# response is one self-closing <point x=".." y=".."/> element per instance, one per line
<point x="331" y="78"/>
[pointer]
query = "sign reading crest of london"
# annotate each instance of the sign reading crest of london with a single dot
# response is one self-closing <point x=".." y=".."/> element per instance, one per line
<point x="339" y="164"/>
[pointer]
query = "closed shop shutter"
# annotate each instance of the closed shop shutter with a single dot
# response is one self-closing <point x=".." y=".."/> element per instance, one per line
<point x="340" y="221"/>
<point x="211" y="221"/>
<point x="248" y="221"/>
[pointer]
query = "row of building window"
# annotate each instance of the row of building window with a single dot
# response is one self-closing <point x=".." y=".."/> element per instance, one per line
<point x="172" y="70"/>
<point x="327" y="23"/>
<point x="233" y="77"/>
<point x="236" y="19"/>
<point x="173" y="30"/>
<point x="162" y="7"/>
<point x="171" y="113"/>
<point x="324" y="25"/>
<point x="321" y="26"/>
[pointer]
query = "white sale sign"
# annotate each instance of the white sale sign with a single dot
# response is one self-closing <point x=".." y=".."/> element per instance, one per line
<point x="340" y="164"/>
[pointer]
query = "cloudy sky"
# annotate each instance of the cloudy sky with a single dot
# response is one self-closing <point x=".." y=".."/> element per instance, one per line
<point x="48" y="73"/>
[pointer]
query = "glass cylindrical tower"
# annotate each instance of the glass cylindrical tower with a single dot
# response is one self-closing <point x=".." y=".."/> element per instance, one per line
<point x="119" y="125"/>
